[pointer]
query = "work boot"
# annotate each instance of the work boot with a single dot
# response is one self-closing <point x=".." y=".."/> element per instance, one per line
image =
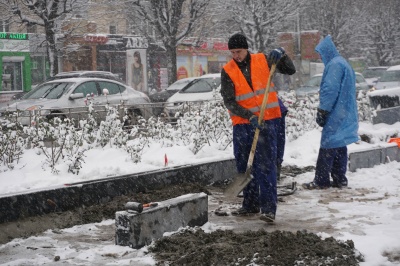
<point x="338" y="184"/>
<point x="268" y="217"/>
<point x="244" y="212"/>
<point x="312" y="185"/>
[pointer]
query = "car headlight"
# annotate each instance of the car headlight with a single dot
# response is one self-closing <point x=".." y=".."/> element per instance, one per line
<point x="36" y="109"/>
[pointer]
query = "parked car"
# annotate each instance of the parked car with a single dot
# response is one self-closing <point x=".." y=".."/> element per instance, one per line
<point x="204" y="88"/>
<point x="372" y="74"/>
<point x="16" y="97"/>
<point x="313" y="84"/>
<point x="70" y="97"/>
<point x="162" y="96"/>
<point x="390" y="79"/>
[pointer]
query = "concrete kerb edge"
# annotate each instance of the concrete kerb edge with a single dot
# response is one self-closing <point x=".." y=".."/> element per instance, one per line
<point x="14" y="207"/>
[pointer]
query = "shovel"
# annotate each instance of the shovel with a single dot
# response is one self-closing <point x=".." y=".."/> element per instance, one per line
<point x="241" y="180"/>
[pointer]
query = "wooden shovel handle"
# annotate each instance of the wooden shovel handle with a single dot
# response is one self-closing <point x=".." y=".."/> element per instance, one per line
<point x="260" y="119"/>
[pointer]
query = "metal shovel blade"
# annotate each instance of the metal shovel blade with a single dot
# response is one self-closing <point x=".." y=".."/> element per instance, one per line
<point x="238" y="183"/>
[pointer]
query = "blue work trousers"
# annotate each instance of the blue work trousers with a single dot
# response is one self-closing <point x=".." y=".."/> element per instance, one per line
<point x="331" y="162"/>
<point x="261" y="192"/>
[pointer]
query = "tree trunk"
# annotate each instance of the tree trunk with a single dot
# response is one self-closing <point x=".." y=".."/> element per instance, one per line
<point x="171" y="64"/>
<point x="51" y="49"/>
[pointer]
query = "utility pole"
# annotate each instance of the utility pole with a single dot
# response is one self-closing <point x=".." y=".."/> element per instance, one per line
<point x="299" y="69"/>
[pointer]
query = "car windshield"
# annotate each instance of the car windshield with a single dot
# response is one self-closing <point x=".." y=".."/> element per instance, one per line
<point x="202" y="85"/>
<point x="178" y="85"/>
<point x="48" y="91"/>
<point x="359" y="78"/>
<point x="373" y="73"/>
<point x="389" y="76"/>
<point x="314" y="81"/>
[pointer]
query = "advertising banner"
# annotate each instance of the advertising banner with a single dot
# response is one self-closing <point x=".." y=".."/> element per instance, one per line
<point x="136" y="69"/>
<point x="183" y="65"/>
<point x="200" y="66"/>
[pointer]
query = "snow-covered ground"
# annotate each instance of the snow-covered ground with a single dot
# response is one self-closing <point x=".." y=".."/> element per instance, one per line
<point x="368" y="213"/>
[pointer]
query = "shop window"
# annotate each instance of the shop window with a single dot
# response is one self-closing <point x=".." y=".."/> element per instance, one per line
<point x="113" y="29"/>
<point x="31" y="28"/>
<point x="4" y="25"/>
<point x="34" y="65"/>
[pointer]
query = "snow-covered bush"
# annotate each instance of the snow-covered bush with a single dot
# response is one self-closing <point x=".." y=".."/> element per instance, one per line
<point x="11" y="142"/>
<point x="110" y="131"/>
<point x="205" y="124"/>
<point x="197" y="127"/>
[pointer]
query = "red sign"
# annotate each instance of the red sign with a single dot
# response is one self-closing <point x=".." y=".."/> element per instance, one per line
<point x="96" y="39"/>
<point x="220" y="46"/>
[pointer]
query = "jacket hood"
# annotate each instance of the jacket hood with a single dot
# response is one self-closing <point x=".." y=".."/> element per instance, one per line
<point x="327" y="49"/>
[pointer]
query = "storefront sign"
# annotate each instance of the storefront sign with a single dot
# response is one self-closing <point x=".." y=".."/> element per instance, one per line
<point x="14" y="36"/>
<point x="14" y="42"/>
<point x="101" y="39"/>
<point x="136" y="43"/>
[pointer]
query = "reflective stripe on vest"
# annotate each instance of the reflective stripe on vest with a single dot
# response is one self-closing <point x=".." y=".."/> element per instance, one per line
<point x="245" y="96"/>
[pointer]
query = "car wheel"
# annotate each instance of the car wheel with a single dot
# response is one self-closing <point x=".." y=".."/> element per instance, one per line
<point x="51" y="117"/>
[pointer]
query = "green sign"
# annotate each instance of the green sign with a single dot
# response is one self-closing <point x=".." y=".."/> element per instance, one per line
<point x="14" y="36"/>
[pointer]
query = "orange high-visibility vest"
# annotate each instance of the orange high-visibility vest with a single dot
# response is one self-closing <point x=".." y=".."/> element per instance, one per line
<point x="251" y="99"/>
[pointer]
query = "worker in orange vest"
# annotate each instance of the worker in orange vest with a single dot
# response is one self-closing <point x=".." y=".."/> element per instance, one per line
<point x="243" y="83"/>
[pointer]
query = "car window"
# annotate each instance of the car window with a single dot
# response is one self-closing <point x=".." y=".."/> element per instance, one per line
<point x="314" y="81"/>
<point x="121" y="88"/>
<point x="202" y="85"/>
<point x="389" y="76"/>
<point x="87" y="88"/>
<point x="178" y="85"/>
<point x="373" y="73"/>
<point x="360" y="79"/>
<point x="112" y="88"/>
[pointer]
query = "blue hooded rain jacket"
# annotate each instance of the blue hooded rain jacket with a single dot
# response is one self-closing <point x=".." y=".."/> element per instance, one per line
<point x="338" y="97"/>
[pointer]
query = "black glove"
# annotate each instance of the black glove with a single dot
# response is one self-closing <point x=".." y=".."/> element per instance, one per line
<point x="322" y="116"/>
<point x="276" y="55"/>
<point x="254" y="122"/>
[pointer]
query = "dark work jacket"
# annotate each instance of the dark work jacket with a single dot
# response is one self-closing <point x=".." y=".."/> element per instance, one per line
<point x="285" y="66"/>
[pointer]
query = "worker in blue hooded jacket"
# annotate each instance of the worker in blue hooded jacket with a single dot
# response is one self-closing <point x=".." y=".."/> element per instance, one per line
<point x="337" y="114"/>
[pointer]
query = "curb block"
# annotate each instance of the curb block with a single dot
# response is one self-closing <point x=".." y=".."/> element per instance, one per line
<point x="370" y="158"/>
<point x="139" y="229"/>
<point x="71" y="196"/>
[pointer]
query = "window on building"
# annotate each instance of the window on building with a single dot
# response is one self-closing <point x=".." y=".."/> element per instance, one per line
<point x="113" y="29"/>
<point x="4" y="25"/>
<point x="31" y="28"/>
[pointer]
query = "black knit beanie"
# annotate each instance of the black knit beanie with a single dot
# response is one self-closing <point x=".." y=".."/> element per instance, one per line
<point x="238" y="41"/>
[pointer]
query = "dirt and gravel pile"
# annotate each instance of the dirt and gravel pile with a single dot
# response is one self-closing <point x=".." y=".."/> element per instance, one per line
<point x="224" y="247"/>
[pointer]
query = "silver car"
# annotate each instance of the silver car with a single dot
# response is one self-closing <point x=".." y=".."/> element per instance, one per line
<point x="199" y="90"/>
<point x="312" y="86"/>
<point x="71" y="98"/>
<point x="389" y="79"/>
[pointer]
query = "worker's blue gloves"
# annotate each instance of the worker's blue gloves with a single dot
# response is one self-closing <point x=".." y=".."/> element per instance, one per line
<point x="276" y="55"/>
<point x="322" y="116"/>
<point x="254" y="122"/>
